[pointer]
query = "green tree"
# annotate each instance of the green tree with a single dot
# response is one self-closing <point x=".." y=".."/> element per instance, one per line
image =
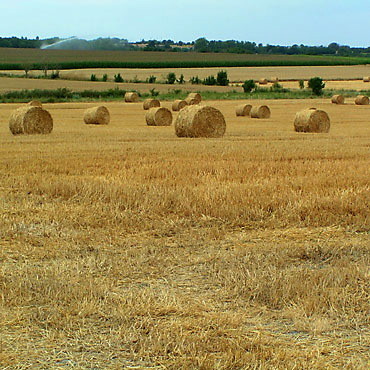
<point x="222" y="79"/>
<point x="316" y="85"/>
<point x="118" y="78"/>
<point x="201" y="45"/>
<point x="171" y="78"/>
<point x="301" y="84"/>
<point x="93" y="78"/>
<point x="181" y="80"/>
<point x="248" y="86"/>
<point x="210" y="80"/>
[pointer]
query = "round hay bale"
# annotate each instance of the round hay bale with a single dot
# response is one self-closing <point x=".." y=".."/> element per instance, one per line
<point x="262" y="111"/>
<point x="191" y="101"/>
<point x="131" y="97"/>
<point x="196" y="96"/>
<point x="97" y="116"/>
<point x="243" y="110"/>
<point x="158" y="116"/>
<point x="263" y="81"/>
<point x="151" y="103"/>
<point x="34" y="103"/>
<point x="274" y="79"/>
<point x="362" y="100"/>
<point x="337" y="99"/>
<point x="178" y="104"/>
<point x="200" y="121"/>
<point x="30" y="120"/>
<point x="312" y="120"/>
<point x="366" y="79"/>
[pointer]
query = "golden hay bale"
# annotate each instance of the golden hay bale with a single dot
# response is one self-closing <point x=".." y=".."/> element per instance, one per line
<point x="243" y="110"/>
<point x="30" y="120"/>
<point x="34" y="103"/>
<point x="131" y="97"/>
<point x="262" y="111"/>
<point x="311" y="120"/>
<point x="337" y="99"/>
<point x="178" y="104"/>
<point x="362" y="100"/>
<point x="158" y="116"/>
<point x="151" y="103"/>
<point x="274" y="79"/>
<point x="366" y="79"/>
<point x="196" y="96"/>
<point x="97" y="116"/>
<point x="263" y="81"/>
<point x="191" y="101"/>
<point x="200" y="121"/>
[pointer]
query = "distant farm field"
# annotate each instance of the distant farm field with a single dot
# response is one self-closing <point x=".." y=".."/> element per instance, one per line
<point x="125" y="247"/>
<point x="66" y="59"/>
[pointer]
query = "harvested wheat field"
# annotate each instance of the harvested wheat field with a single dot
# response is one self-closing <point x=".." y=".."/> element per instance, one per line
<point x="234" y="73"/>
<point x="123" y="246"/>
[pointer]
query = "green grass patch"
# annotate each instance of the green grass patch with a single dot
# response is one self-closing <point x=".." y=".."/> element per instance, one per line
<point x="66" y="95"/>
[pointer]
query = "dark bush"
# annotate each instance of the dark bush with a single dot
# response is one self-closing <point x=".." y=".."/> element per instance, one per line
<point x="222" y="79"/>
<point x="210" y="80"/>
<point x="171" y="78"/>
<point x="118" y="78"/>
<point x="316" y="85"/>
<point x="248" y="86"/>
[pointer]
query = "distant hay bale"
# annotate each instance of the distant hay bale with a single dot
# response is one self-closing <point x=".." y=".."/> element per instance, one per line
<point x="151" y="103"/>
<point x="243" y="110"/>
<point x="195" y="96"/>
<point x="158" y="116"/>
<point x="131" y="97"/>
<point x="262" y="111"/>
<point x="30" y="120"/>
<point x="34" y="103"/>
<point x="200" y="121"/>
<point x="337" y="99"/>
<point x="178" y="104"/>
<point x="191" y="101"/>
<point x="312" y="120"/>
<point x="263" y="81"/>
<point x="97" y="116"/>
<point x="362" y="100"/>
<point x="366" y="79"/>
<point x="274" y="79"/>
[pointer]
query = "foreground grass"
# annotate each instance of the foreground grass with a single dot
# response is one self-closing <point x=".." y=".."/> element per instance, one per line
<point x="114" y="257"/>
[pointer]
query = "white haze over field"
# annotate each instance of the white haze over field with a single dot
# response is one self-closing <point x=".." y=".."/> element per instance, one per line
<point x="284" y="22"/>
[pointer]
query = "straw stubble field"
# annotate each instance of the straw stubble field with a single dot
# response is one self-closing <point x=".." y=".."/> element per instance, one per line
<point x="125" y="246"/>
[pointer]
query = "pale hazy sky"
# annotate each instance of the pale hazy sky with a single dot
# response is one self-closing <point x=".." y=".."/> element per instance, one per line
<point x="284" y="22"/>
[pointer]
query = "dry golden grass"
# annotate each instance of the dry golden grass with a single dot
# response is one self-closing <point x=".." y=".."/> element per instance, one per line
<point x="234" y="73"/>
<point x="123" y="246"/>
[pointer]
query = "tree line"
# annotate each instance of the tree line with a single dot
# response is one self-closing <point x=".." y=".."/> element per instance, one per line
<point x="201" y="45"/>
